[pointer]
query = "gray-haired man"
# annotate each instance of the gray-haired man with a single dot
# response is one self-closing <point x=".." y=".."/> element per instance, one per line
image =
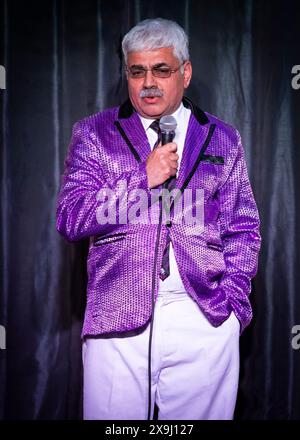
<point x="158" y="329"/>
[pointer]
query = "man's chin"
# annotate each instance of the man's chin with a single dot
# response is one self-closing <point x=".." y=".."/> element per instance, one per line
<point x="151" y="110"/>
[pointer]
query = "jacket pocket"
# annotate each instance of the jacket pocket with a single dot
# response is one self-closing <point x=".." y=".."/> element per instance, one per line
<point x="99" y="240"/>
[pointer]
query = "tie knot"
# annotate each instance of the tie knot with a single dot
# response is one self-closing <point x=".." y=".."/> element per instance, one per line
<point x="155" y="126"/>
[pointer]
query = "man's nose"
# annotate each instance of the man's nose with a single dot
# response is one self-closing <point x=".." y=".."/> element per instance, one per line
<point x="149" y="79"/>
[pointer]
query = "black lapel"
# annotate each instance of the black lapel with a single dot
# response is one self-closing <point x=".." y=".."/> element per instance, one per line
<point x="196" y="111"/>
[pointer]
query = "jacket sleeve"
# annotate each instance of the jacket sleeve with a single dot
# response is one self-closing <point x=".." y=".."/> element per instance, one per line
<point x="239" y="224"/>
<point x="82" y="180"/>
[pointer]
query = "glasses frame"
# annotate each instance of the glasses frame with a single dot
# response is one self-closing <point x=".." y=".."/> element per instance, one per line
<point x="152" y="70"/>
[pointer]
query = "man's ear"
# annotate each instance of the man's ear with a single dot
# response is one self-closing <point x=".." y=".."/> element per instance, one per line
<point x="187" y="74"/>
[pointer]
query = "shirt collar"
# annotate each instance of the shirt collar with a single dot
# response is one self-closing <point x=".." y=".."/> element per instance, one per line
<point x="177" y="115"/>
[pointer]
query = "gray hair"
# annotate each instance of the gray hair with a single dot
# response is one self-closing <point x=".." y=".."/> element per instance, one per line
<point x="154" y="34"/>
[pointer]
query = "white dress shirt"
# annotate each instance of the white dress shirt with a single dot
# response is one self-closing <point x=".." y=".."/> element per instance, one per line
<point x="173" y="282"/>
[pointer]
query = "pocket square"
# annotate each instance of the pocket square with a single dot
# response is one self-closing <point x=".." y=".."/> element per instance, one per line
<point x="219" y="160"/>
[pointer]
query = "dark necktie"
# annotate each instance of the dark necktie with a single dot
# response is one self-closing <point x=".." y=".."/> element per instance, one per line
<point x="169" y="184"/>
<point x="156" y="128"/>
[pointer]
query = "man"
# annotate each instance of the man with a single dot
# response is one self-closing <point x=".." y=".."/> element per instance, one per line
<point x="166" y="301"/>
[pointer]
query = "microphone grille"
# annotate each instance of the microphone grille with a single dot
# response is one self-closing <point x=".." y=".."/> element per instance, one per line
<point x="167" y="123"/>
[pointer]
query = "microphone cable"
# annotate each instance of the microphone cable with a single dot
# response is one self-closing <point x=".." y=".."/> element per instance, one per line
<point x="167" y="125"/>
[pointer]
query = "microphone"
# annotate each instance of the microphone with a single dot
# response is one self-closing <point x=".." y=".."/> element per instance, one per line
<point x="167" y="125"/>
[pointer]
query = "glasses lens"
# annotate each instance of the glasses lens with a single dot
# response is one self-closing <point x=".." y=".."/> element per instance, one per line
<point x="136" y="73"/>
<point x="161" y="72"/>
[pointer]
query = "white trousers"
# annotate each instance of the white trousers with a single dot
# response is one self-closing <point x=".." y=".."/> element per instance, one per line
<point x="195" y="367"/>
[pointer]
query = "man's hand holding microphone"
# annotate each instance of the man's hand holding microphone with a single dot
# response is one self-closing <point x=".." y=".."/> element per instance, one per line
<point x="162" y="162"/>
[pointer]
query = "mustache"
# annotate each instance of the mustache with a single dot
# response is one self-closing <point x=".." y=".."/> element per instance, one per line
<point x="150" y="93"/>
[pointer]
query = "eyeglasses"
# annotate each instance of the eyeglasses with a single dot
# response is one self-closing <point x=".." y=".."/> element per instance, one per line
<point x="157" y="71"/>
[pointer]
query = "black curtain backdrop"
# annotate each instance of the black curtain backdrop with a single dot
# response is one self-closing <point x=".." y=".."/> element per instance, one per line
<point x="63" y="62"/>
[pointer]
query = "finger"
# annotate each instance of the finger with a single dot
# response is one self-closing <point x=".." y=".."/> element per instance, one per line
<point x="172" y="146"/>
<point x="173" y="172"/>
<point x="173" y="165"/>
<point x="169" y="147"/>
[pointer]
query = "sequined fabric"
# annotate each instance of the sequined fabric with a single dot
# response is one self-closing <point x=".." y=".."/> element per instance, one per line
<point x="216" y="265"/>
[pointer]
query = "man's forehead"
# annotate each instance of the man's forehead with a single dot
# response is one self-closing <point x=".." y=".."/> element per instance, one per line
<point x="153" y="56"/>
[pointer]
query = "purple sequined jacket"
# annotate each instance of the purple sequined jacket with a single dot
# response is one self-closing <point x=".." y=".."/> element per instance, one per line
<point x="216" y="265"/>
